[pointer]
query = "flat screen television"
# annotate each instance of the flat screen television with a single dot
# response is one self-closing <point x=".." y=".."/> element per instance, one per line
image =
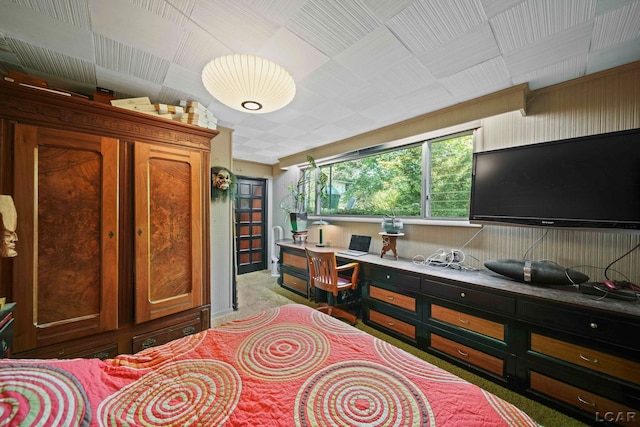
<point x="586" y="182"/>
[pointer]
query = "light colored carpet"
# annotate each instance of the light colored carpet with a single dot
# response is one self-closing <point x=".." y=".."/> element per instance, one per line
<point x="255" y="294"/>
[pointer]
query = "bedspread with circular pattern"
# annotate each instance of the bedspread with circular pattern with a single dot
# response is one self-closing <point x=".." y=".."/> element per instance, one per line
<point x="289" y="366"/>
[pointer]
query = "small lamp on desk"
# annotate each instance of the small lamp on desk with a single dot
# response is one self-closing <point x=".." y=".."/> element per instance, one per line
<point x="320" y="222"/>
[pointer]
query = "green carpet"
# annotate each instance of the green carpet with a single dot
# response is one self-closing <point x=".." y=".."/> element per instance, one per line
<point x="544" y="415"/>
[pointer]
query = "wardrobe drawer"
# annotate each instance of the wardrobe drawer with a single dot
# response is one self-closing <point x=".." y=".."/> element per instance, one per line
<point x="598" y="361"/>
<point x="107" y="351"/>
<point x="392" y="323"/>
<point x="295" y="283"/>
<point x="603" y="409"/>
<point x="467" y="321"/>
<point x="163" y="336"/>
<point x="86" y="349"/>
<point x="294" y="260"/>
<point x="394" y="298"/>
<point x="472" y="297"/>
<point x="467" y="354"/>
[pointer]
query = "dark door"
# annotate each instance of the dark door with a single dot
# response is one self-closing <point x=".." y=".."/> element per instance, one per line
<point x="251" y="220"/>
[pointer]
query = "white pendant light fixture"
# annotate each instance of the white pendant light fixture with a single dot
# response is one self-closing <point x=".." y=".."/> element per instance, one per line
<point x="248" y="83"/>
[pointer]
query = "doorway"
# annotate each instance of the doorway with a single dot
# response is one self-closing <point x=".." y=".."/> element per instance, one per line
<point x="250" y="223"/>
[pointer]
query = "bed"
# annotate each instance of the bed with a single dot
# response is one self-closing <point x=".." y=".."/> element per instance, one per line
<point x="288" y="366"/>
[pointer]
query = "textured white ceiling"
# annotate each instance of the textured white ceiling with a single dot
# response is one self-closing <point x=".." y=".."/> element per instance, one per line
<point x="358" y="64"/>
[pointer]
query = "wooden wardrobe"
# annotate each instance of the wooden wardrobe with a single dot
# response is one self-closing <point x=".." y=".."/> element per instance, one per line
<point x="113" y="225"/>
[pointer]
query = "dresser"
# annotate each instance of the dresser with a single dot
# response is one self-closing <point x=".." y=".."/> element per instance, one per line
<point x="6" y="330"/>
<point x="571" y="351"/>
<point x="113" y="225"/>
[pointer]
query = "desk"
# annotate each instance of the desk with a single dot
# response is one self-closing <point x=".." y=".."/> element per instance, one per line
<point x="294" y="274"/>
<point x="521" y="336"/>
<point x="480" y="279"/>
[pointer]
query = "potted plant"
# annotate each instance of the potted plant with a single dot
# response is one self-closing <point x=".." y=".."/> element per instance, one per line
<point x="294" y="204"/>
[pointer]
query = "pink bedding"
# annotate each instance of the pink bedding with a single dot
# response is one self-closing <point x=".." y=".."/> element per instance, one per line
<point x="290" y="366"/>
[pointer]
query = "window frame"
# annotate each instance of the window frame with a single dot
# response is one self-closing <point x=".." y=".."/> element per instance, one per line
<point x="425" y="140"/>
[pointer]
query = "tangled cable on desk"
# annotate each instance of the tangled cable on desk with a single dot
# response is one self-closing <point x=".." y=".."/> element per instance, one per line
<point x="452" y="259"/>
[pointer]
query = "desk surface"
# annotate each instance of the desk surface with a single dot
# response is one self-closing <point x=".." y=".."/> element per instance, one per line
<point x="485" y="278"/>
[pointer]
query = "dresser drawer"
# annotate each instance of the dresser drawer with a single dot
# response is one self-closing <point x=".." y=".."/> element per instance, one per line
<point x="392" y="323"/>
<point x="294" y="260"/>
<point x="467" y="321"/>
<point x="613" y="330"/>
<point x="475" y="357"/>
<point x="295" y="283"/>
<point x="585" y="357"/>
<point x="393" y="298"/>
<point x="163" y="336"/>
<point x="392" y="278"/>
<point x="602" y="409"/>
<point x="476" y="298"/>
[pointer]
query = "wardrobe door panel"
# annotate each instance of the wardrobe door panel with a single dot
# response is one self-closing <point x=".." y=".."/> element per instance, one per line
<point x="66" y="196"/>
<point x="169" y="232"/>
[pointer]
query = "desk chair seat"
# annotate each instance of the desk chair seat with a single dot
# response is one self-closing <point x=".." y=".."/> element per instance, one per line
<point x="324" y="275"/>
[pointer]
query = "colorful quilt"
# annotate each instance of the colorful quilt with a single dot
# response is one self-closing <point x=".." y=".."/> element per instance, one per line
<point x="289" y="366"/>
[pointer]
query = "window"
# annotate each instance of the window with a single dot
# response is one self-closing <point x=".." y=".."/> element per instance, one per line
<point x="430" y="179"/>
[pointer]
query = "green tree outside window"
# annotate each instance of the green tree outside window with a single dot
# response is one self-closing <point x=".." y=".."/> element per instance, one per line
<point x="431" y="179"/>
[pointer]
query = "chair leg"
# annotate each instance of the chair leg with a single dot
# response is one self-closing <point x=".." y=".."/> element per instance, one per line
<point x="344" y="314"/>
<point x="338" y="312"/>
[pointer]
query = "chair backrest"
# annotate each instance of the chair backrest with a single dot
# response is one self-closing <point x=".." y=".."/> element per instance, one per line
<point x="322" y="270"/>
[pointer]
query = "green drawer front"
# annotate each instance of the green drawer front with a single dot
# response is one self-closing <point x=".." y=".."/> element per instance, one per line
<point x="471" y="297"/>
<point x="584" y="323"/>
<point x="392" y="278"/>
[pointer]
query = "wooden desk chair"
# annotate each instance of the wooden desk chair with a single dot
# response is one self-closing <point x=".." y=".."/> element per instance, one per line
<point x="323" y="274"/>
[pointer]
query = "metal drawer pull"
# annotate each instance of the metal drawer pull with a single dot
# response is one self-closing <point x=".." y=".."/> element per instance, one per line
<point x="586" y="359"/>
<point x="148" y="343"/>
<point x="188" y="331"/>
<point x="586" y="402"/>
<point x="593" y="325"/>
<point x="388" y="277"/>
<point x="462" y="294"/>
<point x="463" y="321"/>
<point x="390" y="298"/>
<point x="101" y="355"/>
<point x="462" y="353"/>
<point x="390" y="323"/>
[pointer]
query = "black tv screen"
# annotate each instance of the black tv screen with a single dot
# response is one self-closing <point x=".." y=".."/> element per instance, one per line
<point x="591" y="182"/>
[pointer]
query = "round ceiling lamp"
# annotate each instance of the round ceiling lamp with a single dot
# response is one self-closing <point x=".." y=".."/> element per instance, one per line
<point x="248" y="83"/>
